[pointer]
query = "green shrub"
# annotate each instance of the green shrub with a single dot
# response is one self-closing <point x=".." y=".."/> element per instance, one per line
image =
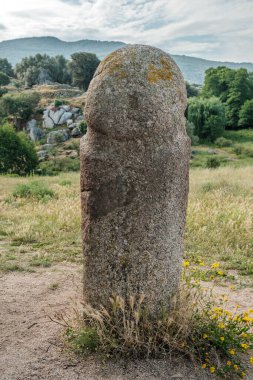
<point x="17" y="153"/>
<point x="60" y="102"/>
<point x="53" y="167"/>
<point x="34" y="189"/>
<point x="246" y="151"/>
<point x="222" y="142"/>
<point x="190" y="127"/>
<point x="212" y="163"/>
<point x="83" y="127"/>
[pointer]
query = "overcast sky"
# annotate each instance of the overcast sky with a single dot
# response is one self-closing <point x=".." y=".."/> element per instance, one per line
<point x="212" y="29"/>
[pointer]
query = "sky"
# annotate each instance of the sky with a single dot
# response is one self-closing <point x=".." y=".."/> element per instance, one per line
<point x="212" y="29"/>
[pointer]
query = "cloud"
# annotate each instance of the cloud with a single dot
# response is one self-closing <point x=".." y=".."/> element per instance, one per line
<point x="2" y="27"/>
<point x="217" y="29"/>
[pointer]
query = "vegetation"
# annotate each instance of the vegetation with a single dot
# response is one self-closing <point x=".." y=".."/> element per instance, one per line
<point x="34" y="189"/>
<point x="17" y="153"/>
<point x="82" y="67"/>
<point x="18" y="107"/>
<point x="42" y="68"/>
<point x="246" y="115"/>
<point x="208" y="117"/>
<point x="6" y="67"/>
<point x="4" y="79"/>
<point x="232" y="87"/>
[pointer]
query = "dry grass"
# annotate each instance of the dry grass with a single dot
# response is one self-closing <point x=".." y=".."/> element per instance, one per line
<point x="219" y="222"/>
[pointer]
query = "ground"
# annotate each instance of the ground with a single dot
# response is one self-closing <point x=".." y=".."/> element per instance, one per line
<point x="41" y="271"/>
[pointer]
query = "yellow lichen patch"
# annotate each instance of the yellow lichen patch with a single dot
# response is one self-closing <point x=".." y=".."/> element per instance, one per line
<point x="113" y="64"/>
<point x="160" y="73"/>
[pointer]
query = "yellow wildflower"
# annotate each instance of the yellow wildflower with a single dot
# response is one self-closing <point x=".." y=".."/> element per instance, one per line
<point x="220" y="273"/>
<point x="204" y="365"/>
<point x="244" y="335"/>
<point x="251" y="360"/>
<point x="222" y="338"/>
<point x="232" y="352"/>
<point x="228" y="362"/>
<point x="221" y="325"/>
<point x="212" y="369"/>
<point x="235" y="367"/>
<point x="247" y="319"/>
<point x="245" y="346"/>
<point x="243" y="374"/>
<point x="205" y="336"/>
<point x="186" y="264"/>
<point x="215" y="265"/>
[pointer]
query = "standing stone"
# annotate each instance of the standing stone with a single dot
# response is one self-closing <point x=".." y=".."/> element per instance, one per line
<point x="134" y="177"/>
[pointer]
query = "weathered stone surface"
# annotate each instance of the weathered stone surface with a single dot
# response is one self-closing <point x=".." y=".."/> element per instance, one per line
<point x="134" y="177"/>
<point x="57" y="136"/>
<point x="36" y="133"/>
<point x="76" y="132"/>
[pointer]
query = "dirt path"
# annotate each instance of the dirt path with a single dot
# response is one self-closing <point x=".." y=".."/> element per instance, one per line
<point x="30" y="347"/>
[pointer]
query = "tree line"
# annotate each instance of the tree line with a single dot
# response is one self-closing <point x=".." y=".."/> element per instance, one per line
<point x="41" y="68"/>
<point x="224" y="102"/>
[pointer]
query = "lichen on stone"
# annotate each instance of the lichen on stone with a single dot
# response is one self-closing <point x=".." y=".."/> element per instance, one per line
<point x="113" y="64"/>
<point x="160" y="73"/>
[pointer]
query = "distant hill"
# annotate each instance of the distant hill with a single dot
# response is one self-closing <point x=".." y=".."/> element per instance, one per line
<point x="14" y="50"/>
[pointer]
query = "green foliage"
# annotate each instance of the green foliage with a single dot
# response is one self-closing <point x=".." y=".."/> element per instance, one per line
<point x="233" y="87"/>
<point x="42" y="68"/>
<point x="3" y="91"/>
<point x="208" y="116"/>
<point x="212" y="163"/>
<point x="20" y="106"/>
<point x="83" y="127"/>
<point x="6" y="67"/>
<point x="4" y="79"/>
<point x="60" y="102"/>
<point x="246" y="115"/>
<point x="34" y="189"/>
<point x="243" y="150"/>
<point x="84" y="341"/>
<point x="65" y="182"/>
<point x="191" y="90"/>
<point x="82" y="67"/>
<point x="53" y="167"/>
<point x="222" y="142"/>
<point x="17" y="153"/>
<point x="190" y="127"/>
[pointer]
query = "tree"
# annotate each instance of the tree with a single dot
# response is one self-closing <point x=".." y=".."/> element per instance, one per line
<point x="191" y="90"/>
<point x="19" y="106"/>
<point x="233" y="87"/>
<point x="6" y="67"/>
<point x="82" y="67"/>
<point x="42" y="68"/>
<point x="4" y="79"/>
<point x="208" y="116"/>
<point x="17" y="153"/>
<point x="246" y="115"/>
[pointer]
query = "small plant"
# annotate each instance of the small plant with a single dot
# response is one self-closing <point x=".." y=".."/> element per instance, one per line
<point x="65" y="182"/>
<point x="54" y="286"/>
<point x="212" y="163"/>
<point x="222" y="142"/>
<point x="34" y="189"/>
<point x="83" y="127"/>
<point x="60" y="102"/>
<point x="193" y="325"/>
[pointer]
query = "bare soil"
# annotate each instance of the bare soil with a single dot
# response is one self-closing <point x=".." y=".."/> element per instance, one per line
<point x="30" y="343"/>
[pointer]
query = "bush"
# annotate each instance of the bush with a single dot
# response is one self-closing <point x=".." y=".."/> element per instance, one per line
<point x="222" y="142"/>
<point x="190" y="127"/>
<point x="21" y="106"/>
<point x="212" y="163"/>
<point x="17" y="153"/>
<point x="245" y="151"/>
<point x="35" y="189"/>
<point x="57" y="165"/>
<point x="60" y="102"/>
<point x="83" y="127"/>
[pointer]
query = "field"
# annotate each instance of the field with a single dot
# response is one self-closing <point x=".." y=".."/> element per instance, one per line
<point x="41" y="264"/>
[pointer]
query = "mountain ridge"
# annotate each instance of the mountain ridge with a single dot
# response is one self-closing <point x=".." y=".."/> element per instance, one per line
<point x="14" y="50"/>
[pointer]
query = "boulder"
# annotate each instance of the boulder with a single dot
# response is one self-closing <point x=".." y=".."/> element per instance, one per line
<point x="76" y="132"/>
<point x="36" y="133"/>
<point x="58" y="136"/>
<point x="31" y="124"/>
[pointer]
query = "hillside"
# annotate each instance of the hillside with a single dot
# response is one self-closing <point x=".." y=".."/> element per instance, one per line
<point x="14" y="50"/>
